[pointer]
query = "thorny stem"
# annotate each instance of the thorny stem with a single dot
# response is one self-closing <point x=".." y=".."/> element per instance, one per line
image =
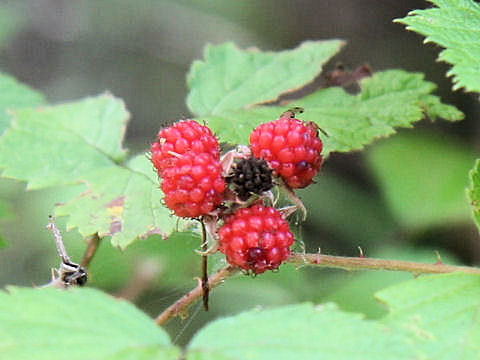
<point x="205" y="287"/>
<point x="365" y="263"/>
<point x="180" y="307"/>
<point x="92" y="247"/>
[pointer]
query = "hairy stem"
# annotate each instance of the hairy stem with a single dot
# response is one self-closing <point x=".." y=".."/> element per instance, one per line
<point x="365" y="263"/>
<point x="205" y="287"/>
<point x="180" y="307"/>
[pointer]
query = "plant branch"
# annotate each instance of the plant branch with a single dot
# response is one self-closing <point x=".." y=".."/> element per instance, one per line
<point x="365" y="263"/>
<point x="180" y="307"/>
<point x="92" y="247"/>
<point x="205" y="286"/>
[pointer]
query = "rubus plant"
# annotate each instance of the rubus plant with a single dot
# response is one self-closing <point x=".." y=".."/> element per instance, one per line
<point x="232" y="199"/>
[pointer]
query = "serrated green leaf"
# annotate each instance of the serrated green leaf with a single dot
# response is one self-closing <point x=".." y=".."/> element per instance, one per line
<point x="81" y="142"/>
<point x="388" y="100"/>
<point x="423" y="179"/>
<point x="121" y="202"/>
<point x="439" y="313"/>
<point x="230" y="78"/>
<point x="297" y="332"/>
<point x="54" y="145"/>
<point x="78" y="324"/>
<point x="15" y="95"/>
<point x="454" y="25"/>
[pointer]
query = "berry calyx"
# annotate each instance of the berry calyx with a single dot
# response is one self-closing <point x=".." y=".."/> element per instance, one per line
<point x="194" y="186"/>
<point x="180" y="138"/>
<point x="291" y="147"/>
<point x="250" y="176"/>
<point x="256" y="239"/>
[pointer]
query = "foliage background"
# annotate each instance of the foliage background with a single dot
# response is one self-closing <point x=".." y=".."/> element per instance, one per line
<point x="141" y="51"/>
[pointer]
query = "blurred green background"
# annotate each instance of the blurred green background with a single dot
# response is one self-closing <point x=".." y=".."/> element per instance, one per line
<point x="402" y="198"/>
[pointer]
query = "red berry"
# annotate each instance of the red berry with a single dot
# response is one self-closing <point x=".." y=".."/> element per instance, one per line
<point x="257" y="238"/>
<point x="291" y="147"/>
<point x="194" y="186"/>
<point x="180" y="138"/>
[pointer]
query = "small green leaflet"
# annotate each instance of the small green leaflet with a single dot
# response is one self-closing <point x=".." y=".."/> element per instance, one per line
<point x="81" y="142"/>
<point x="45" y="324"/>
<point x="388" y="100"/>
<point x="14" y="95"/>
<point x="473" y="192"/>
<point x="454" y="25"/>
<point x="230" y="78"/>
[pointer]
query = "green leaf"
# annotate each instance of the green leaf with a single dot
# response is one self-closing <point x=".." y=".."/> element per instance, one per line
<point x="423" y="179"/>
<point x="297" y="332"/>
<point x="15" y="95"/>
<point x="473" y="192"/>
<point x="388" y="100"/>
<point x="54" y="145"/>
<point x="77" y="324"/>
<point x="122" y="202"/>
<point x="230" y="78"/>
<point x="431" y="317"/>
<point x="81" y="142"/>
<point x="439" y="314"/>
<point x="454" y="25"/>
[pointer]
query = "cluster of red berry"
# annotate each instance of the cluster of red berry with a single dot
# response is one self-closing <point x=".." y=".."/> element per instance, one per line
<point x="198" y="182"/>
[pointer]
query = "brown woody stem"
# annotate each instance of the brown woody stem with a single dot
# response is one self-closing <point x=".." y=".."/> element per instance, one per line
<point x="180" y="307"/>
<point x="365" y="263"/>
<point x="92" y="247"/>
<point x="205" y="287"/>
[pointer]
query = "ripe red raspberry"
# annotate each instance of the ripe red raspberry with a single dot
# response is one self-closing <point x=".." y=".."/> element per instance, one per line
<point x="257" y="238"/>
<point x="194" y="186"/>
<point x="291" y="147"/>
<point x="181" y="137"/>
